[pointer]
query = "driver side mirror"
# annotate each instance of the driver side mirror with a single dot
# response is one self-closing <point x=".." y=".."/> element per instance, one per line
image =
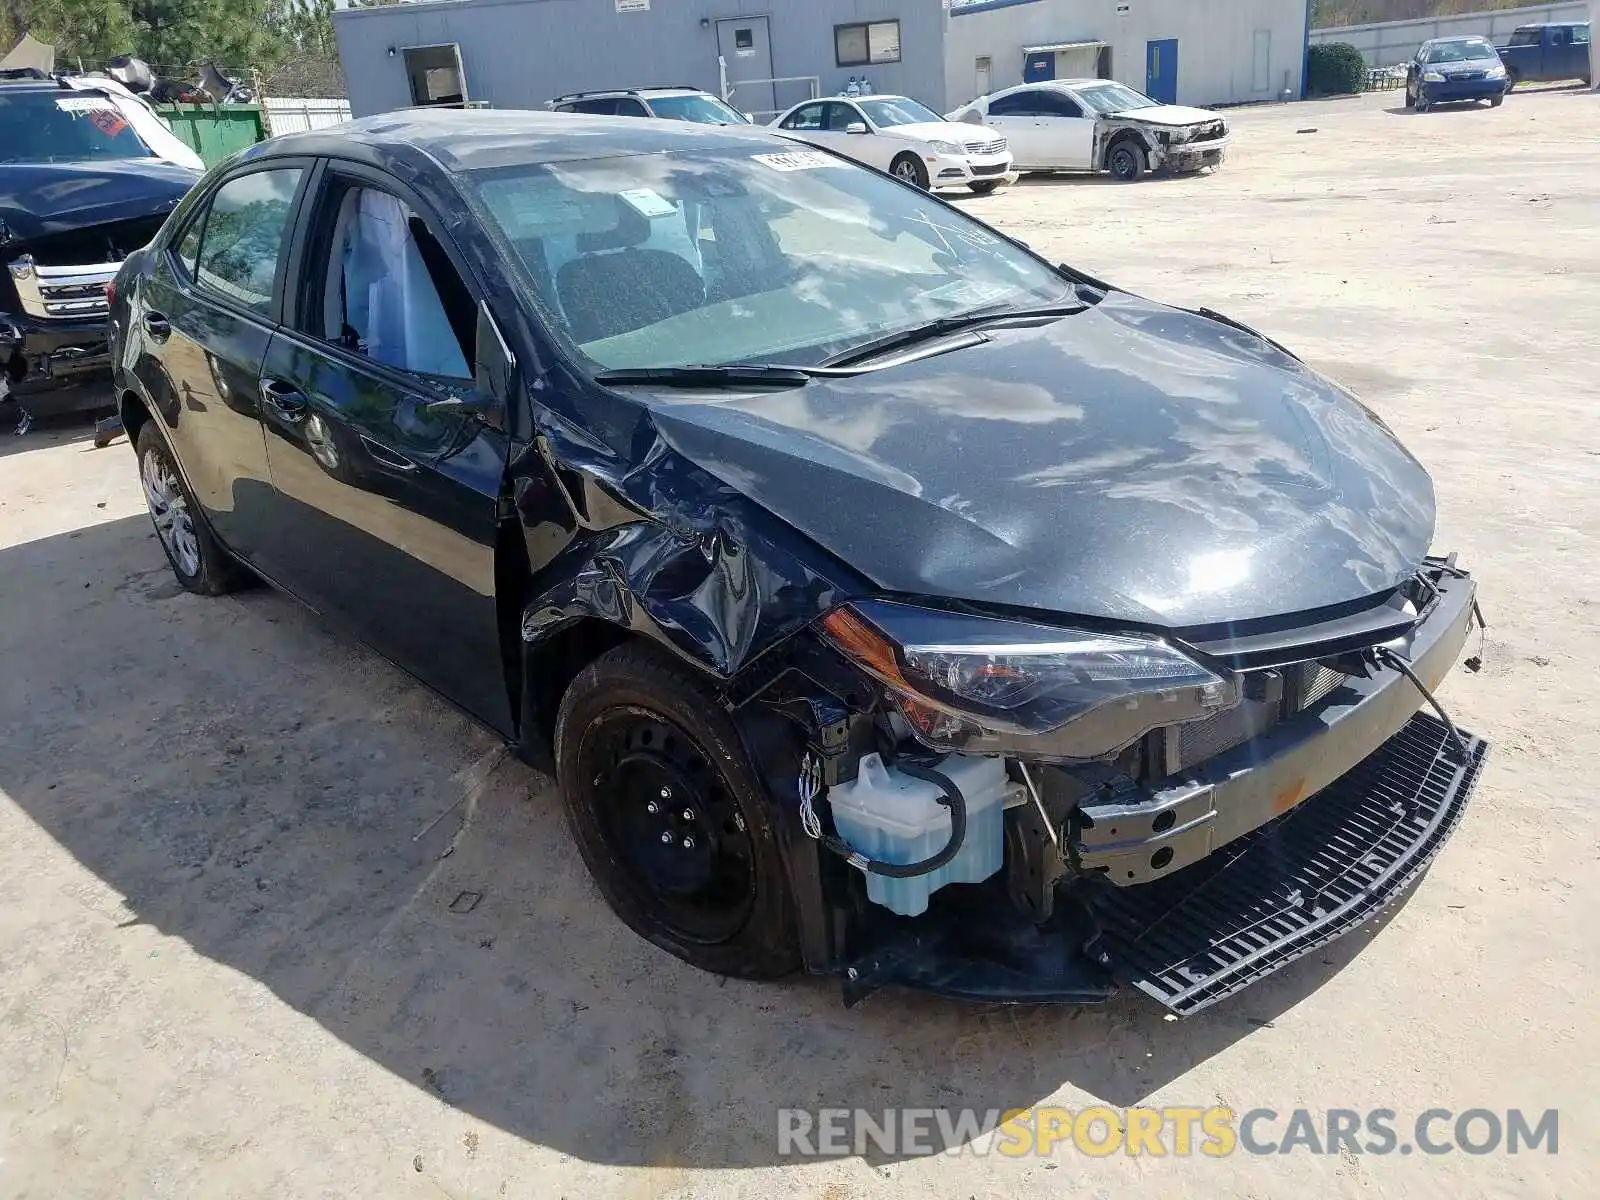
<point x="494" y="377"/>
<point x="856" y="127"/>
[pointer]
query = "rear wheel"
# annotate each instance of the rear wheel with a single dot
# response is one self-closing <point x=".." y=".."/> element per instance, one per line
<point x="201" y="565"/>
<point x="671" y="818"/>
<point x="908" y="168"/>
<point x="1126" y="161"/>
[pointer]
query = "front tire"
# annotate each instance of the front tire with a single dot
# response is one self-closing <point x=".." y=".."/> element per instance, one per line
<point x="1125" y="160"/>
<point x="671" y="818"/>
<point x="908" y="168"/>
<point x="1496" y="101"/>
<point x="201" y="565"/>
<point x="984" y="186"/>
<point x="1512" y="79"/>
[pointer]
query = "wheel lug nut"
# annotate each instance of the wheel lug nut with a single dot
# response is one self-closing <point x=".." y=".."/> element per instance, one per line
<point x="688" y="814"/>
<point x="652" y="807"/>
<point x="666" y="839"/>
<point x="688" y="843"/>
<point x="666" y="793"/>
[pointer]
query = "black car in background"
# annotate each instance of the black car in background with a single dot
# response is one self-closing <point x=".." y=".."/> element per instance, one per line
<point x="88" y="173"/>
<point x="885" y="600"/>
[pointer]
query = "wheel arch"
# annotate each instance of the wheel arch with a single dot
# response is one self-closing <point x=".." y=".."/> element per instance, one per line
<point x="133" y="412"/>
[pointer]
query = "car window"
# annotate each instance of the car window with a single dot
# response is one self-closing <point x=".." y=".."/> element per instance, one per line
<point x="1561" y="37"/>
<point x="605" y="107"/>
<point x="1058" y="104"/>
<point x="704" y="110"/>
<point x="898" y="111"/>
<point x="1018" y="104"/>
<point x="65" y="126"/>
<point x="243" y="236"/>
<point x="841" y="116"/>
<point x="189" y="245"/>
<point x="1580" y="35"/>
<point x="390" y="293"/>
<point x="1465" y="50"/>
<point x="1113" y="98"/>
<point x="627" y="106"/>
<point x="1525" y="37"/>
<point x="756" y="254"/>
<point x="807" y="116"/>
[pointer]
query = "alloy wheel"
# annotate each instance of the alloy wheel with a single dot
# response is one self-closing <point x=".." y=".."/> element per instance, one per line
<point x="169" y="509"/>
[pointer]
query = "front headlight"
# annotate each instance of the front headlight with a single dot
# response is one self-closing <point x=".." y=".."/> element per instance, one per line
<point x="946" y="148"/>
<point x="1496" y="72"/>
<point x="1433" y="77"/>
<point x="983" y="684"/>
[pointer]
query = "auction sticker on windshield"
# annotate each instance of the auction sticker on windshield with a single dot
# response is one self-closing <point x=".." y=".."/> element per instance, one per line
<point x="799" y="160"/>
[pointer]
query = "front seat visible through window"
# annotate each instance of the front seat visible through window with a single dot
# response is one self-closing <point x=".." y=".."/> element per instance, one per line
<point x="616" y="285"/>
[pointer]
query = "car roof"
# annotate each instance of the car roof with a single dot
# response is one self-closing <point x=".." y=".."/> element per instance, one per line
<point x="467" y="139"/>
<point x="638" y="91"/>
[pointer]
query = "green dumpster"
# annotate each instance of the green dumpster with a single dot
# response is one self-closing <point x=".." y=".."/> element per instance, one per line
<point x="215" y="133"/>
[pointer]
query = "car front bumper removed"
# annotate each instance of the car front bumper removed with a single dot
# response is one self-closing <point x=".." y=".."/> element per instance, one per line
<point x="1193" y="891"/>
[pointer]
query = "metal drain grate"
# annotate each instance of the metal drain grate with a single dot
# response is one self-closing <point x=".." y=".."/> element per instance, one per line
<point x="1296" y="883"/>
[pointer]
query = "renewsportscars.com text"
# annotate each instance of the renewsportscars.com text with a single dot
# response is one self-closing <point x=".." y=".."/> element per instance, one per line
<point x="1099" y="1131"/>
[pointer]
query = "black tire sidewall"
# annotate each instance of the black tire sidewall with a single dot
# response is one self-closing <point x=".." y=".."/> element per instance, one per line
<point x="217" y="573"/>
<point x="984" y="187"/>
<point x="636" y="676"/>
<point x="1137" y="169"/>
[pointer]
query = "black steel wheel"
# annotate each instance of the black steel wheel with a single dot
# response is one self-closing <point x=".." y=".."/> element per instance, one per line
<point x="1126" y="161"/>
<point x="671" y="818"/>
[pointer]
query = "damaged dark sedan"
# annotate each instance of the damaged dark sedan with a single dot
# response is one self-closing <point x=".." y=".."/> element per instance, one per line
<point x="885" y="601"/>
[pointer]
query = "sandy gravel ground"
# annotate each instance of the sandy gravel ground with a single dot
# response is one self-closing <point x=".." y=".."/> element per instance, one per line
<point x="229" y="964"/>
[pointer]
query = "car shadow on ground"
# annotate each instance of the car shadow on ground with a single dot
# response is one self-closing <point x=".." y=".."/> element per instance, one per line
<point x="297" y="810"/>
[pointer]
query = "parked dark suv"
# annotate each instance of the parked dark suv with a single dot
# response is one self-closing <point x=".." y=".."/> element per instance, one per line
<point x="87" y="175"/>
<point x="885" y="600"/>
<point x="667" y="103"/>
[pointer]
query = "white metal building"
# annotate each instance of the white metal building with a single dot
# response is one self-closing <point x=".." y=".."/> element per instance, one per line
<point x="1182" y="51"/>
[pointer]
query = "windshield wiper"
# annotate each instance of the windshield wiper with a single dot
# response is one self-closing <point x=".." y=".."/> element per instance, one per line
<point x="701" y="376"/>
<point x="942" y="326"/>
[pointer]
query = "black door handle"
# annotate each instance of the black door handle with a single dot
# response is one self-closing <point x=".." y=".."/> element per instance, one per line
<point x="284" y="399"/>
<point x="157" y="326"/>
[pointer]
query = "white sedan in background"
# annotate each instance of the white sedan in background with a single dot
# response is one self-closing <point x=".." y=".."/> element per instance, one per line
<point x="1098" y="125"/>
<point x="905" y="138"/>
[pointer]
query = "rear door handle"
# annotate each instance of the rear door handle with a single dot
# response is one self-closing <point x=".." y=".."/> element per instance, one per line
<point x="157" y="326"/>
<point x="284" y="399"/>
<point x="386" y="457"/>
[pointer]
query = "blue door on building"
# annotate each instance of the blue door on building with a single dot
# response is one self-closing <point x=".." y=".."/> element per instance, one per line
<point x="1161" y="70"/>
<point x="1039" y="67"/>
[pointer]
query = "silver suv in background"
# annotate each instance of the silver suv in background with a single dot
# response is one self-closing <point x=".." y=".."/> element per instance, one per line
<point x="667" y="103"/>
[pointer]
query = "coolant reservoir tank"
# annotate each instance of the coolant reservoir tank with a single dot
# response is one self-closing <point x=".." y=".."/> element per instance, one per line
<point x="897" y="818"/>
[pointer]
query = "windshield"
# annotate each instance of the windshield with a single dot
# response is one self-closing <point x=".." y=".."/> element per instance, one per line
<point x="897" y="111"/>
<point x="1113" y="98"/>
<point x="64" y="126"/>
<point x="750" y="255"/>
<point x="1466" y="50"/>
<point x="704" y="110"/>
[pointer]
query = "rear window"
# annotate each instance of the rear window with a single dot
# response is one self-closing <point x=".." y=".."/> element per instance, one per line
<point x="65" y="126"/>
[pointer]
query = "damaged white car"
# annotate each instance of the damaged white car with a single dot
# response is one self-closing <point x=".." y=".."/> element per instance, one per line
<point x="1099" y="125"/>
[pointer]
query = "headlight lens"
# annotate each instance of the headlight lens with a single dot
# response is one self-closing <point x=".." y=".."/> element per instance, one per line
<point x="1497" y="72"/>
<point x="945" y="148"/>
<point x="961" y="679"/>
<point x="1433" y="77"/>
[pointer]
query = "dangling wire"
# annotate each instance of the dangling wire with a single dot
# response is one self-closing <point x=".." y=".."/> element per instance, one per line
<point x="810" y="789"/>
<point x="1386" y="655"/>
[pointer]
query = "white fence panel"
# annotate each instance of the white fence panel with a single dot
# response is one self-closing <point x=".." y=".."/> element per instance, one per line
<point x="286" y="115"/>
<point x="1388" y="42"/>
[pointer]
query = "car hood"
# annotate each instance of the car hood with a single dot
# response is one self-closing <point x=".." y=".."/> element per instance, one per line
<point x="1167" y="114"/>
<point x="1134" y="462"/>
<point x="923" y="131"/>
<point x="39" y="199"/>
<point x="1464" y="64"/>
